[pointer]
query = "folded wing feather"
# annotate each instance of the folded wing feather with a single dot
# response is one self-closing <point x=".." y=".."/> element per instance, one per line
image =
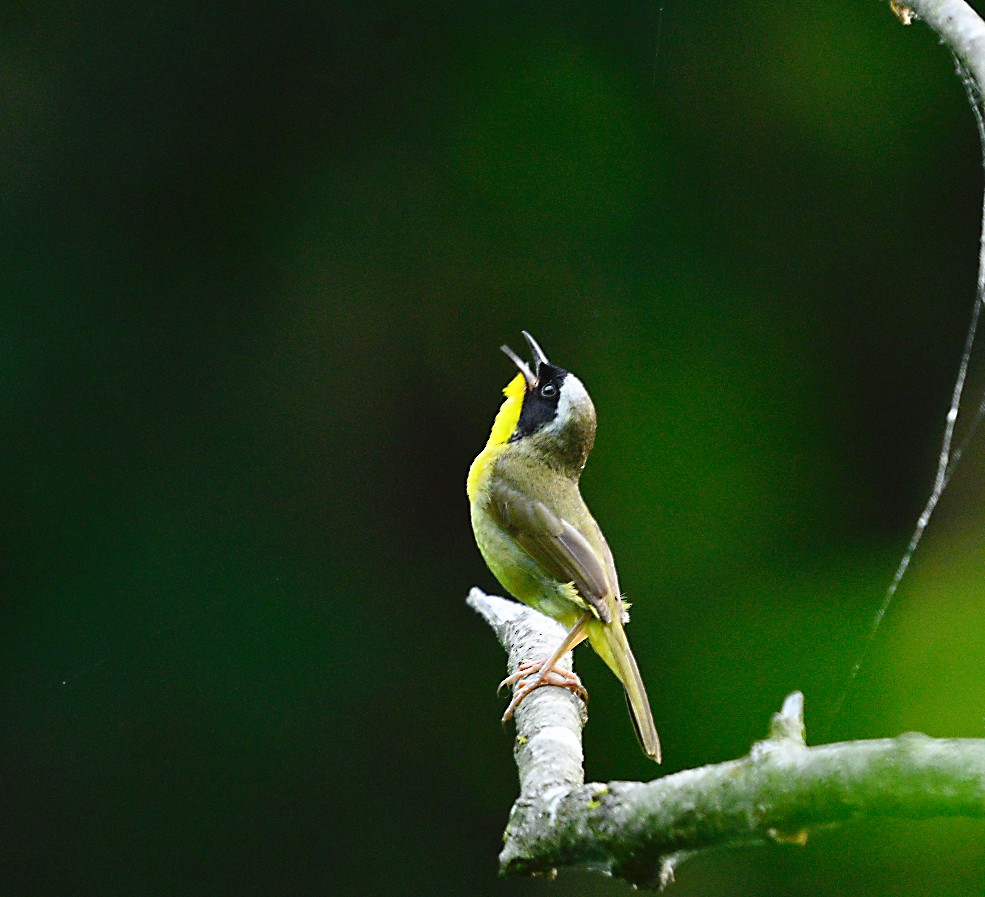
<point x="560" y="548"/>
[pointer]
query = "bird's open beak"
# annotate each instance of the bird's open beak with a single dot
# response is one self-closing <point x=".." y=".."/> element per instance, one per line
<point x="538" y="353"/>
<point x="539" y="358"/>
<point x="522" y="365"/>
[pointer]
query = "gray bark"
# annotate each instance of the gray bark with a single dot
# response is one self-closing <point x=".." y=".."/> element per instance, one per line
<point x="641" y="831"/>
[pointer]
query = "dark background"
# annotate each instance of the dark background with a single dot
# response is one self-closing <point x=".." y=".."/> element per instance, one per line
<point x="257" y="262"/>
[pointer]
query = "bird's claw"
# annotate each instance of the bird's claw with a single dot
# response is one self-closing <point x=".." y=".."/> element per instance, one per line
<point x="553" y="676"/>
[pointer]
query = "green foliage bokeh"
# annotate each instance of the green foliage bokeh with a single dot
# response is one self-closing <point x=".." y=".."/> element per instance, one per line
<point x="257" y="264"/>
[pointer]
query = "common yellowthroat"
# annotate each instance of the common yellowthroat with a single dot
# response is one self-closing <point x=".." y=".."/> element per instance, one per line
<point x="538" y="536"/>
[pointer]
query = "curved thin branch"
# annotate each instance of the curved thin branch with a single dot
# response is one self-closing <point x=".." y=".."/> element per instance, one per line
<point x="641" y="831"/>
<point x="958" y="26"/>
<point x="961" y="29"/>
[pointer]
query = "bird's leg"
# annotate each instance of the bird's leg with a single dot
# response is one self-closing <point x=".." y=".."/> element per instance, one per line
<point x="547" y="672"/>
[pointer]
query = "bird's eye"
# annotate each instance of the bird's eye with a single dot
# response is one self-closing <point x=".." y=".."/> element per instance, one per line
<point x="548" y="390"/>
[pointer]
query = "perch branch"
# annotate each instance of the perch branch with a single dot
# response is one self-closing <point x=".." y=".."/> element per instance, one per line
<point x="641" y="831"/>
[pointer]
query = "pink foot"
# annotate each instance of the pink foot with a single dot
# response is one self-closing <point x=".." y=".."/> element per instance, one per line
<point x="541" y="677"/>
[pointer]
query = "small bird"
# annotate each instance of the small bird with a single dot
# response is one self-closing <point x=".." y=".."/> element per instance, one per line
<point x="539" y="538"/>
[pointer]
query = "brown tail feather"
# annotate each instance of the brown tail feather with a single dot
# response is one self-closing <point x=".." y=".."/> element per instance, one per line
<point x="610" y="642"/>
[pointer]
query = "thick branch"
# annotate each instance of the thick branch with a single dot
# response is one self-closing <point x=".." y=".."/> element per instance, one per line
<point x="641" y="831"/>
<point x="548" y="746"/>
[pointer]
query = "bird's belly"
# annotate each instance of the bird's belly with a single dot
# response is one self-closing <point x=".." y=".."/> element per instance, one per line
<point x="520" y="574"/>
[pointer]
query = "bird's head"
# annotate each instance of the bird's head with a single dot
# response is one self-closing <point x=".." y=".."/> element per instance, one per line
<point x="549" y="410"/>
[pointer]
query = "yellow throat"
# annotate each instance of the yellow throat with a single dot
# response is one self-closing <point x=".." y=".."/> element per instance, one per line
<point x="502" y="429"/>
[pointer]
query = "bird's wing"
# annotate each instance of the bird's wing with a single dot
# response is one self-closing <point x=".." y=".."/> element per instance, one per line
<point x="560" y="548"/>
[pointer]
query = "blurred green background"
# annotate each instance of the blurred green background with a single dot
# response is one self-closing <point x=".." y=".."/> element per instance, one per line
<point x="257" y="262"/>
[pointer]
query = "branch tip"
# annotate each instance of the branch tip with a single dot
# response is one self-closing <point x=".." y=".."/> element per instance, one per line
<point x="788" y="724"/>
<point x="902" y="12"/>
<point x="668" y="867"/>
<point x="786" y="728"/>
